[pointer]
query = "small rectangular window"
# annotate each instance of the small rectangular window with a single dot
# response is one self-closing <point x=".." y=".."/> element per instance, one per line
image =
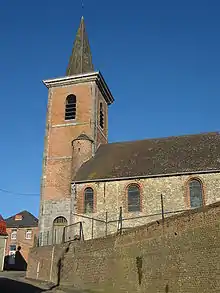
<point x="12" y="247"/>
<point x="14" y="234"/>
<point x="28" y="234"/>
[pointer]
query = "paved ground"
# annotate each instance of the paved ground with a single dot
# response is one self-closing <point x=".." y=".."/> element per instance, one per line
<point x="15" y="282"/>
<point x="9" y="285"/>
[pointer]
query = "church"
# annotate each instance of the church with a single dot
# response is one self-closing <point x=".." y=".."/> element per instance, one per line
<point x="84" y="176"/>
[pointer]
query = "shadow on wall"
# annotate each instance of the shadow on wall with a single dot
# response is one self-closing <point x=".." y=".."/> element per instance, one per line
<point x="60" y="265"/>
<point x="15" y="262"/>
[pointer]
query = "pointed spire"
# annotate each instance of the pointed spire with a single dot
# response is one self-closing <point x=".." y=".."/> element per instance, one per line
<point x="81" y="58"/>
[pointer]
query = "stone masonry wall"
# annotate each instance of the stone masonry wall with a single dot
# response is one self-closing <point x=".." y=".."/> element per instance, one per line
<point x="51" y="209"/>
<point x="110" y="196"/>
<point x="178" y="255"/>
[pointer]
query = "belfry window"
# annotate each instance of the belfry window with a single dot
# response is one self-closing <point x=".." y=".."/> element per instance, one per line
<point x="134" y="198"/>
<point x="101" y="116"/>
<point x="70" y="110"/>
<point x="196" y="193"/>
<point x="88" y="200"/>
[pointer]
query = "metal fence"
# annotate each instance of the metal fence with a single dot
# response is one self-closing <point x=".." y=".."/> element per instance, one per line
<point x="58" y="235"/>
<point x="88" y="227"/>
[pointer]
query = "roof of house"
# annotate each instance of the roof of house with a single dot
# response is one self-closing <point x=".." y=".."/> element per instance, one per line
<point x="27" y="220"/>
<point x="152" y="157"/>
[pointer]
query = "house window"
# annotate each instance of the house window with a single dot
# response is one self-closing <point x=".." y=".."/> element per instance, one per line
<point x="88" y="200"/>
<point x="28" y="234"/>
<point x="12" y="248"/>
<point x="196" y="193"/>
<point x="70" y="110"/>
<point x="14" y="234"/>
<point x="18" y="217"/>
<point x="134" y="198"/>
<point x="101" y="116"/>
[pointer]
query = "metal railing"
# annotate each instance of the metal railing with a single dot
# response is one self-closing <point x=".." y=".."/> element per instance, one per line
<point x="88" y="227"/>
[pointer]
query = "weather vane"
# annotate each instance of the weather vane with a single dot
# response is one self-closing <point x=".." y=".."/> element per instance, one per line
<point x="82" y="4"/>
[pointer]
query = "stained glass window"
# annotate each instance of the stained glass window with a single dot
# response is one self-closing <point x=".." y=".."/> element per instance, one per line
<point x="196" y="195"/>
<point x="88" y="200"/>
<point x="134" y="198"/>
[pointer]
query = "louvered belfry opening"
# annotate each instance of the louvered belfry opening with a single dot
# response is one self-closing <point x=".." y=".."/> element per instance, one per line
<point x="70" y="111"/>
<point x="101" y="123"/>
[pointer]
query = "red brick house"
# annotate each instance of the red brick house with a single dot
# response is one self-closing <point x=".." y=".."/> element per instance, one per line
<point x="22" y="230"/>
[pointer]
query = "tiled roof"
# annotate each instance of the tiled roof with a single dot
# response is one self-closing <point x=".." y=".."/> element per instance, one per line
<point x="28" y="220"/>
<point x="152" y="157"/>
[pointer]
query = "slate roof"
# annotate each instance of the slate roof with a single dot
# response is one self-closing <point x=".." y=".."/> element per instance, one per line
<point x="81" y="58"/>
<point x="28" y="220"/>
<point x="152" y="157"/>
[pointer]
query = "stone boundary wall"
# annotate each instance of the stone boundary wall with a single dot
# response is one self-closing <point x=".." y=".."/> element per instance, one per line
<point x="180" y="254"/>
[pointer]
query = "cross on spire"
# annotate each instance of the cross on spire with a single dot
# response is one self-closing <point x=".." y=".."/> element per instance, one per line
<point x="81" y="58"/>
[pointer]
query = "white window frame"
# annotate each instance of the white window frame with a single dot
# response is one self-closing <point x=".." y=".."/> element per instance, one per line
<point x="28" y="234"/>
<point x="14" y="234"/>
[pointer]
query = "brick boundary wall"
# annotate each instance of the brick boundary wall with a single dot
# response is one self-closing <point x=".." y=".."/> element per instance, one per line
<point x="180" y="254"/>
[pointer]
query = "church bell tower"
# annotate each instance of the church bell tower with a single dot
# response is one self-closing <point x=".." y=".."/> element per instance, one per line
<point x="76" y="124"/>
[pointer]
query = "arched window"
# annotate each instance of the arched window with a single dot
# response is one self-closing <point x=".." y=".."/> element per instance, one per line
<point x="60" y="221"/>
<point x="101" y="116"/>
<point x="195" y="193"/>
<point x="70" y="110"/>
<point x="88" y="200"/>
<point x="134" y="198"/>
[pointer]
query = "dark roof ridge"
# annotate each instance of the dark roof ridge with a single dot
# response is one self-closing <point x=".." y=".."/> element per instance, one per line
<point x="28" y="220"/>
<point x="164" y="138"/>
<point x="19" y="213"/>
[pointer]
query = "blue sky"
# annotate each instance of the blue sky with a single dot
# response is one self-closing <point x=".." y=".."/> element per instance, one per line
<point x="160" y="58"/>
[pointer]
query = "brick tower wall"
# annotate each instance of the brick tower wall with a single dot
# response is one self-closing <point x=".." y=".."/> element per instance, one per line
<point x="57" y="161"/>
